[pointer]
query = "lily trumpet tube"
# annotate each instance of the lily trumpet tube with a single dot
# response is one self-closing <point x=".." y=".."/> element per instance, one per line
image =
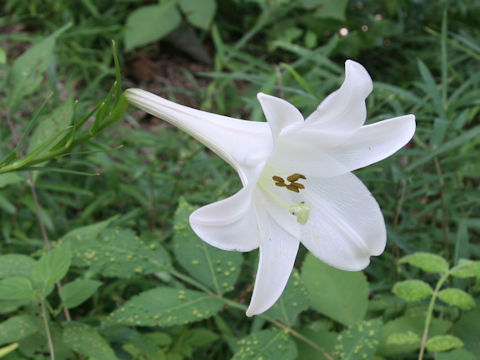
<point x="297" y="180"/>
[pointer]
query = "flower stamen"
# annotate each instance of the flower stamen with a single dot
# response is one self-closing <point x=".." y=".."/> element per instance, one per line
<point x="293" y="186"/>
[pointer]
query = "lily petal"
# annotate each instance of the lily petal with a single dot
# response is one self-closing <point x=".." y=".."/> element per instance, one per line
<point x="229" y="224"/>
<point x="345" y="225"/>
<point x="279" y="113"/>
<point x="344" y="111"/>
<point x="374" y="142"/>
<point x="278" y="251"/>
<point x="240" y="143"/>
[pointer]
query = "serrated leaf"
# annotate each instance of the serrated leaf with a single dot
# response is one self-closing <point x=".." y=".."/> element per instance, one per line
<point x="340" y="295"/>
<point x="165" y="306"/>
<point x="412" y="290"/>
<point x="266" y="344"/>
<point x="119" y="253"/>
<point x="76" y="292"/>
<point x="52" y="267"/>
<point x="457" y="297"/>
<point x="466" y="268"/>
<point x="16" y="328"/>
<point x="217" y="269"/>
<point x="430" y="263"/>
<point x="404" y="338"/>
<point x="16" y="265"/>
<point x="150" y="23"/>
<point x="199" y="13"/>
<point x="82" y="234"/>
<point x="441" y="343"/>
<point x="292" y="302"/>
<point x="16" y="288"/>
<point x="359" y="341"/>
<point x="88" y="342"/>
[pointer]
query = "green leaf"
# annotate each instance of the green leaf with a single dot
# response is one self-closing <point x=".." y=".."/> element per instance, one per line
<point x="50" y="124"/>
<point x="457" y="354"/>
<point x="457" y="297"/>
<point x="150" y="23"/>
<point x="405" y="325"/>
<point x="10" y="178"/>
<point x="88" y="342"/>
<point x="165" y="306"/>
<point x="412" y="290"/>
<point x="430" y="263"/>
<point x="404" y="338"/>
<point x="16" y="288"/>
<point x="16" y="328"/>
<point x="327" y="9"/>
<point x="340" y="295"/>
<point x="466" y="268"/>
<point x="76" y="292"/>
<point x="293" y="301"/>
<point x="3" y="56"/>
<point x="217" y="269"/>
<point x="442" y="343"/>
<point x="267" y="345"/>
<point x="467" y="329"/>
<point x="16" y="265"/>
<point x="359" y="341"/>
<point x="52" y="267"/>
<point x="199" y="13"/>
<point x="119" y="253"/>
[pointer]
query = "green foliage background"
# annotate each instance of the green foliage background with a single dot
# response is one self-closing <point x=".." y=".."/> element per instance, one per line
<point x="96" y="256"/>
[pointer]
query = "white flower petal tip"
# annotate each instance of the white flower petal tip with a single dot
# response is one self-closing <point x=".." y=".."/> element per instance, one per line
<point x="297" y="180"/>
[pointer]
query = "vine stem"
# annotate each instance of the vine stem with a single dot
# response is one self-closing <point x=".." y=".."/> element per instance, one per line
<point x="242" y="307"/>
<point x="429" y="316"/>
<point x="47" y="330"/>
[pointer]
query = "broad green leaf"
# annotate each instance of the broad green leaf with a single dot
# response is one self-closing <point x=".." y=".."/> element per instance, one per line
<point x="457" y="297"/>
<point x="359" y="341"/>
<point x="412" y="290"/>
<point x="165" y="306"/>
<point x="340" y="295"/>
<point x="76" y="292"/>
<point x="8" y="306"/>
<point x="10" y="178"/>
<point x="441" y="343"/>
<point x="293" y="301"/>
<point x="120" y="253"/>
<point x="267" y="345"/>
<point x="79" y="236"/>
<point x="327" y="9"/>
<point x="324" y="339"/>
<point x="88" y="342"/>
<point x="404" y="338"/>
<point x="406" y="325"/>
<point x="16" y="265"/>
<point x="16" y="288"/>
<point x="16" y="328"/>
<point x="467" y="329"/>
<point x="50" y="124"/>
<point x="457" y="354"/>
<point x="430" y="263"/>
<point x="199" y="13"/>
<point x="52" y="267"/>
<point x="466" y="268"/>
<point x="150" y="23"/>
<point x="218" y="269"/>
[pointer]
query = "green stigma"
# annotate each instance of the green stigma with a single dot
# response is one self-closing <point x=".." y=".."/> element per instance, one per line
<point x="301" y="211"/>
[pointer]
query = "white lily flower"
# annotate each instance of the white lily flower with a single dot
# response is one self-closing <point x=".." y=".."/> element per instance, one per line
<point x="297" y="180"/>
